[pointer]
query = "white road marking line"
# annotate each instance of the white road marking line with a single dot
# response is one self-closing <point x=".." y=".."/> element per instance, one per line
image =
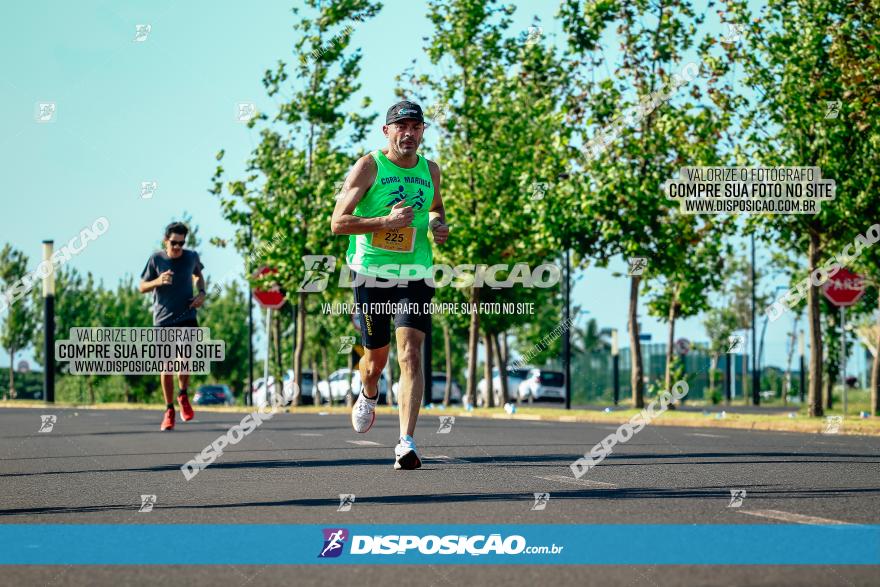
<point x="309" y="434"/>
<point x="706" y="435"/>
<point x="573" y="481"/>
<point x="363" y="442"/>
<point x="789" y="517"/>
<point x="444" y="459"/>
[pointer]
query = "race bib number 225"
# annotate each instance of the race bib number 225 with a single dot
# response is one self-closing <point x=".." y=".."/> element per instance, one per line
<point x="400" y="240"/>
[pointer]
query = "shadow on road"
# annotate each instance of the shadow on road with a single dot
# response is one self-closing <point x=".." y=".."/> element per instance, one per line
<point x="709" y="492"/>
<point x="535" y="460"/>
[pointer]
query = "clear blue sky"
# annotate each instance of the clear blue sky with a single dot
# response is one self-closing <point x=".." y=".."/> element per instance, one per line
<point x="159" y="110"/>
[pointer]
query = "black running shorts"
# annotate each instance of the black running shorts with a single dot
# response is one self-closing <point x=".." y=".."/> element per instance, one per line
<point x="408" y="304"/>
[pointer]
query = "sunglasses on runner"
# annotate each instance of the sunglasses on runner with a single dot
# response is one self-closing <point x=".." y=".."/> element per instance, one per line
<point x="176" y="243"/>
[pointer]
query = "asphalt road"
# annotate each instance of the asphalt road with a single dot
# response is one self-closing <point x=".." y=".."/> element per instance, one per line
<point x="95" y="464"/>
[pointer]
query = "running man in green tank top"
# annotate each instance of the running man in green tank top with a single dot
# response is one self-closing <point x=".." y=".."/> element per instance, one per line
<point x="389" y="203"/>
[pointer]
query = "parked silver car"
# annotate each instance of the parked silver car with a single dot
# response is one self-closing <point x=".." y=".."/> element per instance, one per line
<point x="543" y="385"/>
<point x="307" y="394"/>
<point x="515" y="376"/>
<point x="337" y="385"/>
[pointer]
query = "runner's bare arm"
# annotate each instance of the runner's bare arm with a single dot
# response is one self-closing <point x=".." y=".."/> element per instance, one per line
<point x="199" y="280"/>
<point x="437" y="211"/>
<point x="356" y="185"/>
<point x="163" y="279"/>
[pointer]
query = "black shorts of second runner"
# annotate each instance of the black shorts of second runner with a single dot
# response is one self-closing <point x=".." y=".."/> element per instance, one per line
<point x="376" y="327"/>
<point x="189" y="323"/>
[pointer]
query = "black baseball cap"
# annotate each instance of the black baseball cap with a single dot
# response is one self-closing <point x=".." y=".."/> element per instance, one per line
<point x="402" y="110"/>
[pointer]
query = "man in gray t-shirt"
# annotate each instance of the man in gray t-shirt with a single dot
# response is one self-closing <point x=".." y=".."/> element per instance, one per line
<point x="169" y="275"/>
<point x="173" y="299"/>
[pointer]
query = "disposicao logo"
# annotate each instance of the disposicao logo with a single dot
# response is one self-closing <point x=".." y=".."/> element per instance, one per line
<point x="334" y="540"/>
<point x="432" y="544"/>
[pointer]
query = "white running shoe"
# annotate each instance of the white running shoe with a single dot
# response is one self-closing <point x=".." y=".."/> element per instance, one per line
<point x="406" y="453"/>
<point x="363" y="413"/>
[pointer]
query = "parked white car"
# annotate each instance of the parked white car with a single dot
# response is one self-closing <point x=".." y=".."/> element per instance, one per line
<point x="337" y="385"/>
<point x="438" y="389"/>
<point x="543" y="385"/>
<point x="515" y="376"/>
<point x="258" y="395"/>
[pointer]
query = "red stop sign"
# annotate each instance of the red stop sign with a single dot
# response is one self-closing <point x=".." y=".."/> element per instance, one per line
<point x="271" y="298"/>
<point x="844" y="288"/>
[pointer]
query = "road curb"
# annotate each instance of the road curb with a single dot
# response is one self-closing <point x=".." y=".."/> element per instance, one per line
<point x="851" y="426"/>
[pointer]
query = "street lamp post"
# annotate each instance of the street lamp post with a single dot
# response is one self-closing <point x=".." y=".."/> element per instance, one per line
<point x="756" y="376"/>
<point x="728" y="377"/>
<point x="615" y="365"/>
<point x="566" y="340"/>
<point x="48" y="324"/>
<point x="803" y="377"/>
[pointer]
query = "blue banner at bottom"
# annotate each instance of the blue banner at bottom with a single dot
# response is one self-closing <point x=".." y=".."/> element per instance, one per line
<point x="491" y="544"/>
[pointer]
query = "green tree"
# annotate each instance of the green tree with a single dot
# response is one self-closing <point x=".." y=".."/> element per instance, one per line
<point x="720" y="324"/>
<point x="640" y="128"/>
<point x="79" y="303"/>
<point x="20" y="320"/>
<point x="501" y="139"/>
<point x="226" y="316"/>
<point x="127" y="307"/>
<point x="683" y="290"/>
<point x="853" y="52"/>
<point x="795" y="56"/>
<point x="301" y="157"/>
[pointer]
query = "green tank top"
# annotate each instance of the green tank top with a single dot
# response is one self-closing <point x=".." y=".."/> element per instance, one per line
<point x="367" y="253"/>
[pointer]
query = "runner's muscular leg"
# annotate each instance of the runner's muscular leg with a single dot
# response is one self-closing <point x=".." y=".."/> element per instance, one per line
<point x="412" y="378"/>
<point x="168" y="387"/>
<point x="370" y="366"/>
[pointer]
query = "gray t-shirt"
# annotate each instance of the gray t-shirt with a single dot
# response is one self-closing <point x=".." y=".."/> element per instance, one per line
<point x="171" y="302"/>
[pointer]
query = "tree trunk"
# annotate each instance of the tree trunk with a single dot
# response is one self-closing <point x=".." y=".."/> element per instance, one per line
<point x="12" y="373"/>
<point x="392" y="374"/>
<point x="473" y="341"/>
<point x="489" y="402"/>
<point x="829" y="390"/>
<point x="502" y="369"/>
<point x="316" y="378"/>
<point x="712" y="366"/>
<point x="815" y="385"/>
<point x="638" y="395"/>
<point x="279" y="365"/>
<point x="352" y="365"/>
<point x="786" y="386"/>
<point x="447" y="345"/>
<point x="300" y="346"/>
<point x="670" y="340"/>
<point x="325" y="369"/>
<point x="875" y="375"/>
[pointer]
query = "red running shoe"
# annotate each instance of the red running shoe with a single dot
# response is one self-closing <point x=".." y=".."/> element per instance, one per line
<point x="168" y="420"/>
<point x="186" y="410"/>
